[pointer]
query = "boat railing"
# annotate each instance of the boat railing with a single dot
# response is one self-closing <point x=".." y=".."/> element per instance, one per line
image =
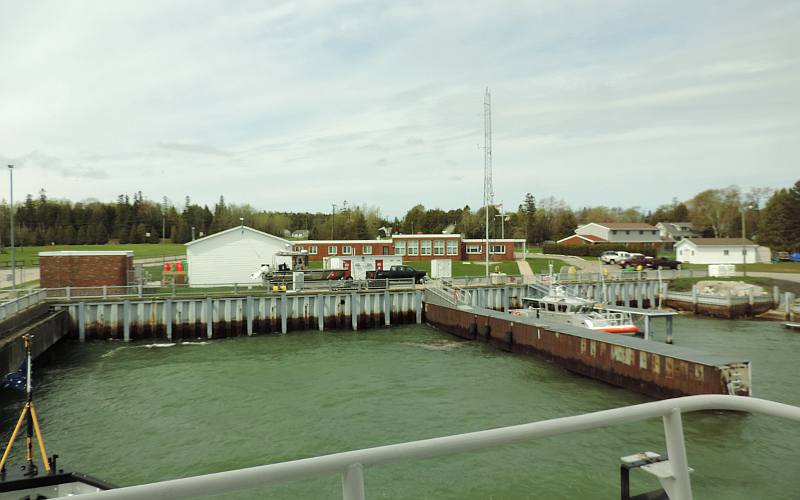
<point x="351" y="465"/>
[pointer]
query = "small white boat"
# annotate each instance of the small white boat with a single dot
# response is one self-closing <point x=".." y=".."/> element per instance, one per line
<point x="561" y="307"/>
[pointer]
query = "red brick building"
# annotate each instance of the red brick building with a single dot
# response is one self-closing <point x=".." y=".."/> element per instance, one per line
<point x="415" y="247"/>
<point x="84" y="268"/>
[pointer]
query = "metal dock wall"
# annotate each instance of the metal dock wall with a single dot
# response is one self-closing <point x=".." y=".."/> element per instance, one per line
<point x="652" y="368"/>
<point x="220" y="317"/>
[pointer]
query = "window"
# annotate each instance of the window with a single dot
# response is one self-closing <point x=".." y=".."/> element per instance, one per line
<point x="399" y="247"/>
<point x="641" y="232"/>
<point x="347" y="250"/>
<point x="366" y="249"/>
<point x="438" y="247"/>
<point x="332" y="250"/>
<point x="627" y="232"/>
<point x="613" y="231"/>
<point x="413" y="247"/>
<point x="426" y="247"/>
<point x="725" y="252"/>
<point x="298" y="248"/>
<point x="497" y="249"/>
<point x="452" y="247"/>
<point x="473" y="249"/>
<point x="312" y="250"/>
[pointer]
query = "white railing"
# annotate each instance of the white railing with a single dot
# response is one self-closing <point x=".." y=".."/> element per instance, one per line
<point x="446" y="290"/>
<point x="13" y="306"/>
<point x="210" y="290"/>
<point x="350" y="465"/>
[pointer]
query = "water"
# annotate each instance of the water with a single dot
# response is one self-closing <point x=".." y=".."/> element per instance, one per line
<point x="132" y="413"/>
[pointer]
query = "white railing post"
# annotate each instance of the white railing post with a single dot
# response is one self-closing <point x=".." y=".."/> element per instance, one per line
<point x="679" y="487"/>
<point x="353" y="482"/>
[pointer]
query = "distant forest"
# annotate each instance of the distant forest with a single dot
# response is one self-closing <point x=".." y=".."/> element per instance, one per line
<point x="772" y="217"/>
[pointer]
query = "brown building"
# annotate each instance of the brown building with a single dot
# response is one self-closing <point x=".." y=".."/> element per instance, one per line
<point x="414" y="247"/>
<point x="84" y="268"/>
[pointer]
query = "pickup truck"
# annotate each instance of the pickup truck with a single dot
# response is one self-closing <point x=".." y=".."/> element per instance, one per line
<point x="397" y="272"/>
<point x="613" y="257"/>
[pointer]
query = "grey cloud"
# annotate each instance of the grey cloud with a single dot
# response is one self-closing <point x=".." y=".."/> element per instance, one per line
<point x="189" y="147"/>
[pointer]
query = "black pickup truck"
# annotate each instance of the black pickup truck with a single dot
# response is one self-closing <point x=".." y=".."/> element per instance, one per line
<point x="397" y="272"/>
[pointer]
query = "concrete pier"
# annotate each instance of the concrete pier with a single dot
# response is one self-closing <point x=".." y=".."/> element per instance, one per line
<point x="652" y="368"/>
<point x="221" y="317"/>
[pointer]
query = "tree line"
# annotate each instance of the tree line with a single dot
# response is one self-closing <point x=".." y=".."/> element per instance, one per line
<point x="771" y="217"/>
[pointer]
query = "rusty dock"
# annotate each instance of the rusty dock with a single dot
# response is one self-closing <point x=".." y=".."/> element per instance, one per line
<point x="652" y="368"/>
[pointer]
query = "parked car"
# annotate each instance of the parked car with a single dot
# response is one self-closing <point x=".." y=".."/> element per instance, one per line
<point x="613" y="256"/>
<point x="635" y="260"/>
<point x="784" y="257"/>
<point x="397" y="272"/>
<point x="664" y="263"/>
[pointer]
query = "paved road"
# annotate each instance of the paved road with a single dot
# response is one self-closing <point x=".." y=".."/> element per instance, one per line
<point x="524" y="268"/>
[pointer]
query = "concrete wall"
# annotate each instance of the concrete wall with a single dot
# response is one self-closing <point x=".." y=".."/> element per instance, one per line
<point x="46" y="331"/>
<point x="222" y="317"/>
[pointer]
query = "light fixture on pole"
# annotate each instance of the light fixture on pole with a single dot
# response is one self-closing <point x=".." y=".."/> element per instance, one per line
<point x="744" y="238"/>
<point x="192" y="233"/>
<point x="13" y="249"/>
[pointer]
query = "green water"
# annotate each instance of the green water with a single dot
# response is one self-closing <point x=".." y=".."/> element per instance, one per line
<point x="132" y="414"/>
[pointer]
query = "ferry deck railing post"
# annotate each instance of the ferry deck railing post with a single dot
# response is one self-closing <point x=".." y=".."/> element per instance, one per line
<point x="679" y="487"/>
<point x="353" y="482"/>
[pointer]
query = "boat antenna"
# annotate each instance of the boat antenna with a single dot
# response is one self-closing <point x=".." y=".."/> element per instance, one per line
<point x="15" y="380"/>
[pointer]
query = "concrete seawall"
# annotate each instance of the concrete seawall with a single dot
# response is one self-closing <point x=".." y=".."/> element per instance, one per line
<point x="652" y="368"/>
<point x="47" y="328"/>
<point x="221" y="317"/>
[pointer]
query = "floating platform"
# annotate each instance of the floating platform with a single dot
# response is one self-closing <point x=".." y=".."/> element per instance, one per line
<point x="792" y="326"/>
<point x="652" y="368"/>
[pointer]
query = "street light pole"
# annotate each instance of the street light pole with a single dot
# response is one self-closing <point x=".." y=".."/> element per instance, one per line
<point x="744" y="242"/>
<point x="13" y="249"/>
<point x="333" y="218"/>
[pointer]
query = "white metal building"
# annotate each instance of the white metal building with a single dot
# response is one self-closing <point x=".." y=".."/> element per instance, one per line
<point x="231" y="256"/>
<point x="720" y="251"/>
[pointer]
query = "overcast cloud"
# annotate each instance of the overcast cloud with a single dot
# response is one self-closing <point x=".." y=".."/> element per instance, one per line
<point x="295" y="105"/>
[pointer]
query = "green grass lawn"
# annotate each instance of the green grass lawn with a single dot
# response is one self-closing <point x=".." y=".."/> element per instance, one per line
<point x="30" y="255"/>
<point x="541" y="266"/>
<point x="469" y="268"/>
<point x="780" y="267"/>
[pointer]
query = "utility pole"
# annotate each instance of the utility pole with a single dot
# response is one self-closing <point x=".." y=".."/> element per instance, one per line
<point x="333" y="218"/>
<point x="502" y="216"/>
<point x="488" y="192"/>
<point x="744" y="237"/>
<point x="13" y="249"/>
<point x="164" y="219"/>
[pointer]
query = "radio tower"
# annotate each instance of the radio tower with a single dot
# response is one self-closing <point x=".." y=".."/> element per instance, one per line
<point x="488" y="192"/>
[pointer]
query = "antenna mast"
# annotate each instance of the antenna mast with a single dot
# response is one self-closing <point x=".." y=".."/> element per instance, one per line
<point x="488" y="192"/>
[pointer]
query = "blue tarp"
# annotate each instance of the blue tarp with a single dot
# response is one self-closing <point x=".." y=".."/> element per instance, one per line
<point x="795" y="257"/>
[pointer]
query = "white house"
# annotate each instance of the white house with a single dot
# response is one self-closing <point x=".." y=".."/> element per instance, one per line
<point x="720" y="251"/>
<point x="613" y="232"/>
<point x="231" y="256"/>
<point x="676" y="231"/>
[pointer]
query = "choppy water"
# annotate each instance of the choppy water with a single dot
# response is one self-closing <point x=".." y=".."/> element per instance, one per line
<point x="138" y="413"/>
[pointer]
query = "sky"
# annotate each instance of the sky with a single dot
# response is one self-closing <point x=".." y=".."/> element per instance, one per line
<point x="297" y="105"/>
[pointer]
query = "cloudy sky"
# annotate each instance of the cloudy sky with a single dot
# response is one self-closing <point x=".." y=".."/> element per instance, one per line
<point x="296" y="105"/>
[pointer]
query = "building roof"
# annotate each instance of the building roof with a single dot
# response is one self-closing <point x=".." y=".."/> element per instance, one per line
<point x="591" y="238"/>
<point x="625" y="225"/>
<point x="388" y="241"/>
<point x="720" y="242"/>
<point x="85" y="253"/>
<point x="431" y="235"/>
<point x="237" y="228"/>
<point x="495" y="240"/>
